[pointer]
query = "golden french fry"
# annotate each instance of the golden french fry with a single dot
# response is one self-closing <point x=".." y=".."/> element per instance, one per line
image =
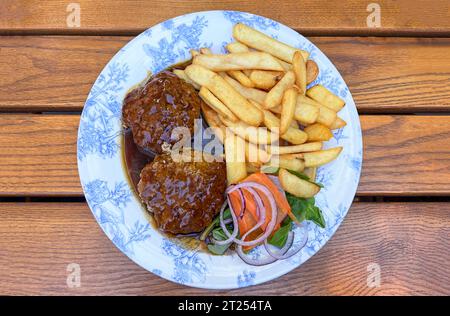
<point x="248" y="93"/>
<point x="296" y="186"/>
<point x="182" y="75"/>
<point x="326" y="115"/>
<point x="293" y="135"/>
<point x="235" y="158"/>
<point x="338" y="123"/>
<point x="311" y="173"/>
<point x="318" y="132"/>
<point x="282" y="150"/>
<point x="274" y="96"/>
<point x="294" y="124"/>
<point x="255" y="154"/>
<point x="262" y="42"/>
<point x="237" y="47"/>
<point x="216" y="104"/>
<point x="264" y="79"/>
<point x="286" y="66"/>
<point x="242" y="78"/>
<point x="288" y="105"/>
<point x="212" y="119"/>
<point x="252" y="168"/>
<point x="194" y="52"/>
<point x="255" y="135"/>
<point x="306" y="113"/>
<point x="312" y="71"/>
<point x="319" y="158"/>
<point x="325" y="97"/>
<point x="286" y="162"/>
<point x="238" y="61"/>
<point x="239" y="105"/>
<point x="299" y="67"/>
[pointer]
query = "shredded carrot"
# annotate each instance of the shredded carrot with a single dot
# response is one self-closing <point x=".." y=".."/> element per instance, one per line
<point x="280" y="198"/>
<point x="250" y="217"/>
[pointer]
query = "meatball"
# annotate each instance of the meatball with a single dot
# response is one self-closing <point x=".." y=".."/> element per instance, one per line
<point x="153" y="110"/>
<point x="184" y="197"/>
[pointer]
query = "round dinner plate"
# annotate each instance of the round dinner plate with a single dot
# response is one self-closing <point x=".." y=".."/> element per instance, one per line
<point x="103" y="175"/>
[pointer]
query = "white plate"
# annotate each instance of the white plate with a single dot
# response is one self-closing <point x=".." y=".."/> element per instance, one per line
<point x="102" y="171"/>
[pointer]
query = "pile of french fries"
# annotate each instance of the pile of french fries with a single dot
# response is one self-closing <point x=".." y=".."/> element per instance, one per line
<point x="260" y="108"/>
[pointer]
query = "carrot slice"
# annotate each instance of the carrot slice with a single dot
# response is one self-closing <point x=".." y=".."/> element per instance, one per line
<point x="280" y="198"/>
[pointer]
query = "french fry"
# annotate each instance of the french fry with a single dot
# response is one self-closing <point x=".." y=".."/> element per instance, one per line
<point x="319" y="158"/>
<point x="286" y="66"/>
<point x="286" y="162"/>
<point x="311" y="173"/>
<point x="242" y="78"/>
<point x="248" y="93"/>
<point x="282" y="150"/>
<point x="296" y="186"/>
<point x="216" y="104"/>
<point x="236" y="47"/>
<point x="306" y="113"/>
<point x="299" y="68"/>
<point x="214" y="122"/>
<point x="288" y="105"/>
<point x="194" y="53"/>
<point x="205" y="51"/>
<point x="235" y="158"/>
<point x="326" y="115"/>
<point x="318" y="132"/>
<point x="182" y="75"/>
<point x="312" y="71"/>
<point x="262" y="42"/>
<point x="338" y="123"/>
<point x="238" y="61"/>
<point x="255" y="154"/>
<point x="252" y="168"/>
<point x="293" y="135"/>
<point x="239" y="105"/>
<point x="274" y="96"/>
<point x="264" y="79"/>
<point x="325" y="97"/>
<point x="252" y="134"/>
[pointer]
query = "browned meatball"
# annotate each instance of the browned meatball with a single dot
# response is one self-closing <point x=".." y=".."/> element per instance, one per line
<point x="183" y="196"/>
<point x="153" y="110"/>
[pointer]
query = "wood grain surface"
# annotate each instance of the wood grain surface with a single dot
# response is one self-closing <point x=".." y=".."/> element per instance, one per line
<point x="409" y="242"/>
<point x="38" y="155"/>
<point x="389" y="75"/>
<point x="403" y="155"/>
<point x="419" y="17"/>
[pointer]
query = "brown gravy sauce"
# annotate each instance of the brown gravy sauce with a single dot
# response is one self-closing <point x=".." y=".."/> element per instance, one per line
<point x="135" y="160"/>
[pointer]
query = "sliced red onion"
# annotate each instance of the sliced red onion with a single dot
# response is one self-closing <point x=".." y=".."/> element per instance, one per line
<point x="254" y="262"/>
<point x="228" y="221"/>
<point x="232" y="236"/>
<point x="273" y="207"/>
<point x="241" y="196"/>
<point x="284" y="252"/>
<point x="277" y="182"/>
<point x="260" y="211"/>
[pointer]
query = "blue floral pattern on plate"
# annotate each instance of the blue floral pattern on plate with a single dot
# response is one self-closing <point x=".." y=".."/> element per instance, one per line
<point x="110" y="197"/>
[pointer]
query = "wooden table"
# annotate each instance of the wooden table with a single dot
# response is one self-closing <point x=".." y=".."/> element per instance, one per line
<point x="399" y="75"/>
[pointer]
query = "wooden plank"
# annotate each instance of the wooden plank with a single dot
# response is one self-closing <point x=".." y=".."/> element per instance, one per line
<point x="389" y="75"/>
<point x="38" y="155"/>
<point x="308" y="16"/>
<point x="403" y="155"/>
<point x="409" y="242"/>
